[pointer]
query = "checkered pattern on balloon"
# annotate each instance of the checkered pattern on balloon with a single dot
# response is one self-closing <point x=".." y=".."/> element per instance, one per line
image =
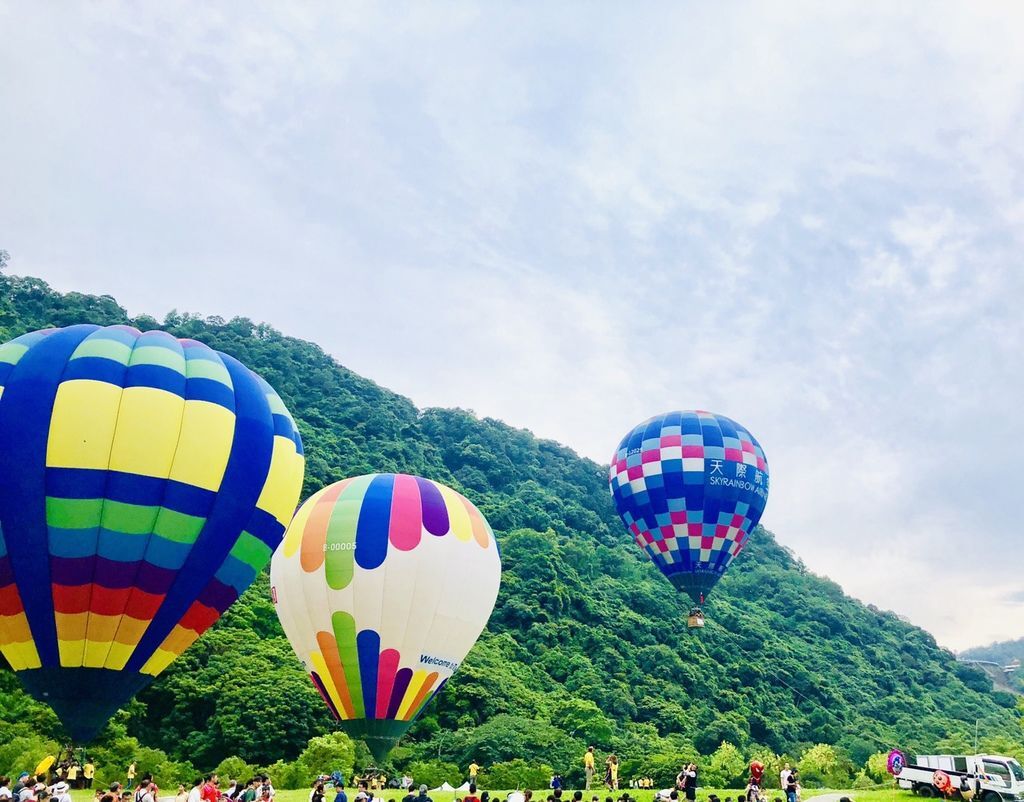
<point x="690" y="487"/>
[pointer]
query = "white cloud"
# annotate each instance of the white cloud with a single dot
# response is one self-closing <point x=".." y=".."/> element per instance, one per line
<point x="804" y="216"/>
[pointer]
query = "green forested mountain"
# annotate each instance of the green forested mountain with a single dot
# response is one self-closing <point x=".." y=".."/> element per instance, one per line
<point x="588" y="643"/>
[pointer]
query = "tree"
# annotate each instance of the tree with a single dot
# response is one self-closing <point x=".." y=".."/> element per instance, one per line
<point x="726" y="768"/>
<point x="327" y="754"/>
<point x="877" y="767"/>
<point x="433" y="773"/>
<point x="234" y="768"/>
<point x="506" y="737"/>
<point x="822" y="765"/>
<point x="516" y="774"/>
<point x="7" y="313"/>
<point x="584" y="719"/>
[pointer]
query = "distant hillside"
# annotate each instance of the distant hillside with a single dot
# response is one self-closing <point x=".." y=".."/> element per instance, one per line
<point x="1002" y="653"/>
<point x="588" y="642"/>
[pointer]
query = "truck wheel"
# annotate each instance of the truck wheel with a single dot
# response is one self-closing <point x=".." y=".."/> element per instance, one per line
<point x="928" y="792"/>
<point x="991" y="796"/>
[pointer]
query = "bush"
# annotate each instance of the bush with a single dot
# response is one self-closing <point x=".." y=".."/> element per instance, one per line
<point x="172" y="773"/>
<point x="434" y="772"/>
<point x="325" y="755"/>
<point x="286" y="775"/>
<point x="662" y="768"/>
<point x="877" y="767"/>
<point x="515" y="774"/>
<point x="23" y="753"/>
<point x="726" y="768"/>
<point x="863" y="782"/>
<point x="233" y="768"/>
<point x="823" y="766"/>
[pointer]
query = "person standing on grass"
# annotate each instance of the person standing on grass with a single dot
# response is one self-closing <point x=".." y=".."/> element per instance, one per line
<point x="131" y="775"/>
<point x="691" y="782"/>
<point x="784" y="776"/>
<point x="792" y="785"/>
<point x="88" y="772"/>
<point x="588" y="766"/>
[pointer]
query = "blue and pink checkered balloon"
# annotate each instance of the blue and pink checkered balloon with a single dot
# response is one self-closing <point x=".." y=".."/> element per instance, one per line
<point x="690" y="486"/>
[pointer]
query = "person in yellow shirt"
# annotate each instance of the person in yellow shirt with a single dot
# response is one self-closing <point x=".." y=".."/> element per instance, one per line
<point x="588" y="765"/>
<point x="73" y="775"/>
<point x="473" y="770"/>
<point x="88" y="773"/>
<point x="611" y="774"/>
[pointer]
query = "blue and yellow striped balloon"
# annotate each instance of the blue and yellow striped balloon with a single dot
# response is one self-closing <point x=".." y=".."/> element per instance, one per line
<point x="144" y="482"/>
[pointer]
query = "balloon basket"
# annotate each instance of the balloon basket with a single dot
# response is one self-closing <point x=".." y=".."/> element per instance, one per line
<point x="695" y="620"/>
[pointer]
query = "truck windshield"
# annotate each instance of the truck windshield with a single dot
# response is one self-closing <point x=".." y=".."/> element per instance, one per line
<point x="1018" y="772"/>
<point x="998" y="769"/>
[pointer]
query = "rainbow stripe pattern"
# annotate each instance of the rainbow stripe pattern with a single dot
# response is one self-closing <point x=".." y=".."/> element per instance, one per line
<point x="144" y="482"/>
<point x="383" y="584"/>
<point x="690" y="487"/>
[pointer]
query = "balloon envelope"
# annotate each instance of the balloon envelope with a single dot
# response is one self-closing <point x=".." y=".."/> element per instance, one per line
<point x="144" y="481"/>
<point x="383" y="584"/>
<point x="690" y="486"/>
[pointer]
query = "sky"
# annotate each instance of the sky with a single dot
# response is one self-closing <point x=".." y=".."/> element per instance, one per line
<point x="573" y="216"/>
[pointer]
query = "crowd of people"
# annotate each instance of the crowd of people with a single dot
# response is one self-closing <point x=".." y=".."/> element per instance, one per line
<point x="685" y="787"/>
<point x="55" y="786"/>
<point x="35" y="788"/>
<point x="32" y="788"/>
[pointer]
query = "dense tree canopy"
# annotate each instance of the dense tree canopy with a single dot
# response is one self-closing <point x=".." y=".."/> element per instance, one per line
<point x="587" y="643"/>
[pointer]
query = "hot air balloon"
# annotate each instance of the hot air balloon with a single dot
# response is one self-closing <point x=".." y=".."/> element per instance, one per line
<point x="383" y="584"/>
<point x="144" y="481"/>
<point x="690" y="487"/>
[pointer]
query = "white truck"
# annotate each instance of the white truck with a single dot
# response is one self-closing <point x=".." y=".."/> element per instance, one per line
<point x="981" y="778"/>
